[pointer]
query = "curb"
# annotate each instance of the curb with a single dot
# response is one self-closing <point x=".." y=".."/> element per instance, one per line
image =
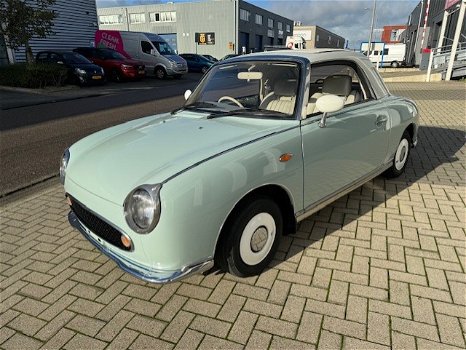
<point x="36" y="91"/>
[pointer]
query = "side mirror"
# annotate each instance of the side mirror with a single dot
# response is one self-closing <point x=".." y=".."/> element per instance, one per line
<point x="328" y="104"/>
<point x="187" y="93"/>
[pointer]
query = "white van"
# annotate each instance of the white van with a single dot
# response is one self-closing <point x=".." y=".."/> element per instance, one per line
<point x="151" y="49"/>
<point x="387" y="55"/>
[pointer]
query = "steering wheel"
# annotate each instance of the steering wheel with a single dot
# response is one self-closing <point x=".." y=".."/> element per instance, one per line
<point x="228" y="98"/>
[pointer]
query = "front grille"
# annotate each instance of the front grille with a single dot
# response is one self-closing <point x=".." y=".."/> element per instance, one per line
<point x="99" y="227"/>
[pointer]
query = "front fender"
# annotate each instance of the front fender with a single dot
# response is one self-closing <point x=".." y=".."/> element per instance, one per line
<point x="196" y="203"/>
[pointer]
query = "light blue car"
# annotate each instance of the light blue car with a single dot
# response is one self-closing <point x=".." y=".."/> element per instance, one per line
<point x="264" y="141"/>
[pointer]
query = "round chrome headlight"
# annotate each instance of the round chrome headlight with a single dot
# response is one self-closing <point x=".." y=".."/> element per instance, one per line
<point x="63" y="164"/>
<point x="142" y="208"/>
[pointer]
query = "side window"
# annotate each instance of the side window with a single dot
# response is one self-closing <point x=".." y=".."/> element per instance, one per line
<point x="146" y="47"/>
<point x="341" y="79"/>
<point x="42" y="57"/>
<point x="55" y="58"/>
<point x="385" y="52"/>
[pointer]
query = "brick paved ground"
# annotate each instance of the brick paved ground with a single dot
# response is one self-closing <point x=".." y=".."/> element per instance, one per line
<point x="383" y="266"/>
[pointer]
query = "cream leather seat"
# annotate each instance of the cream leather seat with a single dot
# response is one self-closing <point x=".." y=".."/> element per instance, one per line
<point x="339" y="85"/>
<point x="283" y="98"/>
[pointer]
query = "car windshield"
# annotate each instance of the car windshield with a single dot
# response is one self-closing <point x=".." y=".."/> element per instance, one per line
<point x="112" y="55"/>
<point x="163" y="48"/>
<point x="75" y="58"/>
<point x="252" y="89"/>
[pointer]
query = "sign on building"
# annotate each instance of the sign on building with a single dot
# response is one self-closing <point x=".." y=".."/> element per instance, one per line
<point x="450" y="3"/>
<point x="205" y="38"/>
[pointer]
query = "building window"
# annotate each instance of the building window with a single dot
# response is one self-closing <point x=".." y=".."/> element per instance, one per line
<point x="137" y="18"/>
<point x="317" y="37"/>
<point x="393" y="35"/>
<point x="168" y="16"/>
<point x="244" y="14"/>
<point x="385" y="52"/>
<point x="280" y="25"/>
<point x="270" y="33"/>
<point x="270" y="23"/>
<point x="288" y="28"/>
<point x="338" y="43"/>
<point x="111" y="19"/>
<point x="329" y="39"/>
<point x="259" y="19"/>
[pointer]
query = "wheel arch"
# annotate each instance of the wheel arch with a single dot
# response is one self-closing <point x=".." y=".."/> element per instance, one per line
<point x="410" y="130"/>
<point x="278" y="194"/>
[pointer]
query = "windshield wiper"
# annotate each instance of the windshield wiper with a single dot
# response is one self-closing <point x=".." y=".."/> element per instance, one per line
<point x="195" y="106"/>
<point x="254" y="112"/>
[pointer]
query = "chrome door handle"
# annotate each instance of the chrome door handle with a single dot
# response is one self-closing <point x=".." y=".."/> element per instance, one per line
<point x="381" y="120"/>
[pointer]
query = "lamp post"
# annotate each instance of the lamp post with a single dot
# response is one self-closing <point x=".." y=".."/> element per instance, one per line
<point x="369" y="45"/>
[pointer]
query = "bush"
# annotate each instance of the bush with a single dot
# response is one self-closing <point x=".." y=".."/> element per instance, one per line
<point x="37" y="75"/>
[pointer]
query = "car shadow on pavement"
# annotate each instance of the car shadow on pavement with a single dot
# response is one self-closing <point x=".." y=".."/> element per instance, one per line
<point x="434" y="161"/>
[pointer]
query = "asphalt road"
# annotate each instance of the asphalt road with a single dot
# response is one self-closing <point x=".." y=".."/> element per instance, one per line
<point x="32" y="138"/>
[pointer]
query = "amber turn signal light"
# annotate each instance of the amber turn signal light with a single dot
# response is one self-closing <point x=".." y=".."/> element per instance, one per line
<point x="126" y="241"/>
<point x="285" y="157"/>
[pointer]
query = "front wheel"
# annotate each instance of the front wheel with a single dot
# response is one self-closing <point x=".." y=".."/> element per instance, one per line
<point x="401" y="157"/>
<point x="252" y="238"/>
<point x="395" y="64"/>
<point x="160" y="73"/>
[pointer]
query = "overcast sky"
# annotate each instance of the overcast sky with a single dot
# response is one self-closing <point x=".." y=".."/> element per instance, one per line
<point x="348" y="18"/>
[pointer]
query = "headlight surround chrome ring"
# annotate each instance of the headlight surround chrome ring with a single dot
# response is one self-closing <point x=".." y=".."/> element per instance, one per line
<point x="142" y="208"/>
<point x="63" y="165"/>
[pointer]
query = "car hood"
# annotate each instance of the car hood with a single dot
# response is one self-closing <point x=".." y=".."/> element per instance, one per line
<point x="112" y="162"/>
<point x="88" y="67"/>
<point x="175" y="58"/>
<point x="130" y="62"/>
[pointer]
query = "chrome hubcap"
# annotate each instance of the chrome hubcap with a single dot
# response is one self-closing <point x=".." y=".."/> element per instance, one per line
<point x="258" y="239"/>
<point x="401" y="154"/>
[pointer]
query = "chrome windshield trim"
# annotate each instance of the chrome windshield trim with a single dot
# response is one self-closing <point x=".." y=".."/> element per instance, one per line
<point x="142" y="272"/>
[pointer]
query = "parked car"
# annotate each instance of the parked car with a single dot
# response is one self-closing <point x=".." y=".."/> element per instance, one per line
<point x="81" y="71"/>
<point x="211" y="58"/>
<point x="228" y="56"/>
<point x="197" y="63"/>
<point x="116" y="66"/>
<point x="264" y="141"/>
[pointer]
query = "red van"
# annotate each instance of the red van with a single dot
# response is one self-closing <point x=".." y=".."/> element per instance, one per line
<point x="116" y="66"/>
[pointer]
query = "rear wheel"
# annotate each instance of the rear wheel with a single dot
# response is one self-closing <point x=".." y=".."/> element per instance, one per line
<point x="252" y="238"/>
<point x="160" y="73"/>
<point x="401" y="156"/>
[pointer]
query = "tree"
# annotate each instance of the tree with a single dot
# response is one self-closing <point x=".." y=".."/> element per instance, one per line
<point x="22" y="20"/>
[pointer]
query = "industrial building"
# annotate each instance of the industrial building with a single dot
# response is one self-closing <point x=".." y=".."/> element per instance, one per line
<point x="317" y="37"/>
<point x="421" y="36"/>
<point x="393" y="34"/>
<point x="73" y="26"/>
<point x="215" y="28"/>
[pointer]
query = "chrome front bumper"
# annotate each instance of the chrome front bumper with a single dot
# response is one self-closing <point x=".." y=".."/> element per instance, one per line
<point x="142" y="272"/>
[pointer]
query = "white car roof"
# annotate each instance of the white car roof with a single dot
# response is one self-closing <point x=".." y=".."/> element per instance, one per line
<point x="321" y="55"/>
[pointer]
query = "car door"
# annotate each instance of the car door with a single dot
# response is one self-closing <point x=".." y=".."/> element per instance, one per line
<point x="145" y="55"/>
<point x="352" y="146"/>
